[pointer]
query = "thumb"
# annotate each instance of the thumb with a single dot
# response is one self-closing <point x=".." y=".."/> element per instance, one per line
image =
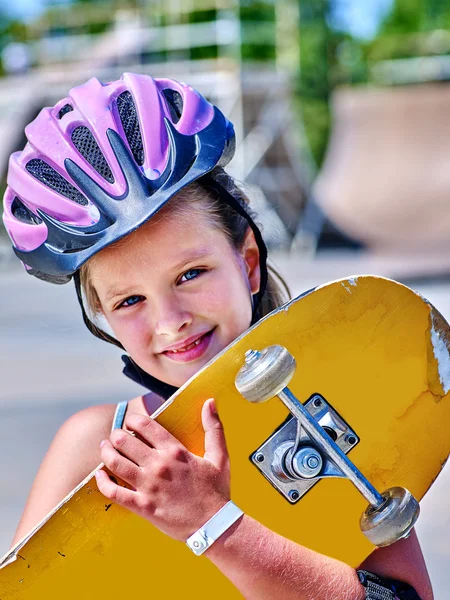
<point x="215" y="445"/>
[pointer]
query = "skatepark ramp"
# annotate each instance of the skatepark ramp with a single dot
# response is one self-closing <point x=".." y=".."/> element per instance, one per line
<point x="386" y="178"/>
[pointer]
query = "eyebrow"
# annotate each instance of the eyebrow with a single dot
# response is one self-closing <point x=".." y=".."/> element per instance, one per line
<point x="116" y="293"/>
<point x="194" y="256"/>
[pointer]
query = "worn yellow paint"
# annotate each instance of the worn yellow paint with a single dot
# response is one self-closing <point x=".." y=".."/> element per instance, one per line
<point x="364" y="344"/>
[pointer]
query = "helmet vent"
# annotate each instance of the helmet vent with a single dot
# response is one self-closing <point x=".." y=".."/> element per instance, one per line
<point x="64" y="110"/>
<point x="87" y="146"/>
<point x="130" y="123"/>
<point x="24" y="214"/>
<point x="174" y="102"/>
<point x="52" y="179"/>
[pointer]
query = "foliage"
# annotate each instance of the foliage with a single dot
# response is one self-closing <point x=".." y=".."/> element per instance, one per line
<point x="409" y="16"/>
<point x="329" y="57"/>
<point x="314" y="86"/>
<point x="11" y="30"/>
<point x="413" y="28"/>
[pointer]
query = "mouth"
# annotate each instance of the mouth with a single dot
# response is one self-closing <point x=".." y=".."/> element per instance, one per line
<point x="191" y="351"/>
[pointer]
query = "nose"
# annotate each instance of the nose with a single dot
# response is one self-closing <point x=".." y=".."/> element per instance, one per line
<point x="170" y="316"/>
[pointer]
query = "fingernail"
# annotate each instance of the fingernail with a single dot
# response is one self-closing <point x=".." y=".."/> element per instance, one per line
<point x="102" y="443"/>
<point x="212" y="407"/>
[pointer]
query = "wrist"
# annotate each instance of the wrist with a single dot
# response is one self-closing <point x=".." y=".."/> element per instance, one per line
<point x="214" y="529"/>
<point x="222" y="545"/>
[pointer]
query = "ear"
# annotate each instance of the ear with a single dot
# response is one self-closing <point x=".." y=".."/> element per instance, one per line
<point x="250" y="254"/>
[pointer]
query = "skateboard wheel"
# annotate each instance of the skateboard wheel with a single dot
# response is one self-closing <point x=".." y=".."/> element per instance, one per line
<point x="265" y="374"/>
<point x="393" y="519"/>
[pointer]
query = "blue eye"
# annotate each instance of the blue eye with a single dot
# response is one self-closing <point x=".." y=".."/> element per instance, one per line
<point x="130" y="301"/>
<point x="191" y="274"/>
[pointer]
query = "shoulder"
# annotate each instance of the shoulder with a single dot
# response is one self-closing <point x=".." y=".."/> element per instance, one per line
<point x="75" y="449"/>
<point x="90" y="425"/>
<point x="76" y="445"/>
<point x="73" y="454"/>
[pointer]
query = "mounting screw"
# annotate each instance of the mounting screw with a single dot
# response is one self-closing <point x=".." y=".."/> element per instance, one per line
<point x="294" y="495"/>
<point x="317" y="402"/>
<point x="260" y="457"/>
<point x="351" y="440"/>
<point x="312" y="462"/>
<point x="251" y="356"/>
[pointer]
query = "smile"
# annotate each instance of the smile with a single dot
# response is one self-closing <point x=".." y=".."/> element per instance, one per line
<point x="196" y="343"/>
<point x="191" y="351"/>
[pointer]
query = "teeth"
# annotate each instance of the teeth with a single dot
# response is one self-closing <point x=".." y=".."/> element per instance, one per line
<point x="196" y="343"/>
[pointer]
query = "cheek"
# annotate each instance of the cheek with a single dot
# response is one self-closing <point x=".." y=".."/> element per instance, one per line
<point x="228" y="297"/>
<point x="131" y="332"/>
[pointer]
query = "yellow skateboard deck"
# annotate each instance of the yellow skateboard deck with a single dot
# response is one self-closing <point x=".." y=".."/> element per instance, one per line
<point x="372" y="348"/>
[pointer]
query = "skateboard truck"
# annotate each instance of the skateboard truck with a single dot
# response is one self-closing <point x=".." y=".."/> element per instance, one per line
<point x="313" y="445"/>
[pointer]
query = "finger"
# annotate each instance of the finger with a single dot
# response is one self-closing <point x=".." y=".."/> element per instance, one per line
<point x="119" y="465"/>
<point x="151" y="432"/>
<point x="131" y="447"/>
<point x="215" y="445"/>
<point x="113" y="491"/>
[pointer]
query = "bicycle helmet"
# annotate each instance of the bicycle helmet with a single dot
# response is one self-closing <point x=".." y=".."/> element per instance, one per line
<point x="101" y="162"/>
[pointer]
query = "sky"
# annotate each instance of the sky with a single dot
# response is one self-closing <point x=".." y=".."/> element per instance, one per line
<point x="359" y="17"/>
<point x="26" y="9"/>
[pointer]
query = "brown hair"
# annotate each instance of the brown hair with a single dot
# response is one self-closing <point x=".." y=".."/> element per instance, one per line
<point x="222" y="216"/>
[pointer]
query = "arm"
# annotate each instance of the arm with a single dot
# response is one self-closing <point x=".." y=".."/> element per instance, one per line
<point x="273" y="564"/>
<point x="262" y="564"/>
<point x="403" y="561"/>
<point x="164" y="477"/>
<point x="73" y="454"/>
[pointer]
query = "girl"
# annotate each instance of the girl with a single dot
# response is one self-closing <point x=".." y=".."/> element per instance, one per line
<point x="176" y="282"/>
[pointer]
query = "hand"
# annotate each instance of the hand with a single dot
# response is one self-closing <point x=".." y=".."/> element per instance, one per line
<point x="171" y="487"/>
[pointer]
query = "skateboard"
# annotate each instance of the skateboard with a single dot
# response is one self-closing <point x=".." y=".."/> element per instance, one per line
<point x="334" y="408"/>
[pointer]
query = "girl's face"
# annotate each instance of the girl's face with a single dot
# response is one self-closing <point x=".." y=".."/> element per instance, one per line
<point x="175" y="292"/>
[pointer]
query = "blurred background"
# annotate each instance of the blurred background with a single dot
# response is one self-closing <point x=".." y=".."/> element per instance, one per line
<point x="342" y="114"/>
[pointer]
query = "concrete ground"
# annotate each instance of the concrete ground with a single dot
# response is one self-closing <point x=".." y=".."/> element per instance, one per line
<point x="52" y="367"/>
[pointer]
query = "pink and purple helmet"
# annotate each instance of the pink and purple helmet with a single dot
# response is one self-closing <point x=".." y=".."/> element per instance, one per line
<point x="101" y="162"/>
